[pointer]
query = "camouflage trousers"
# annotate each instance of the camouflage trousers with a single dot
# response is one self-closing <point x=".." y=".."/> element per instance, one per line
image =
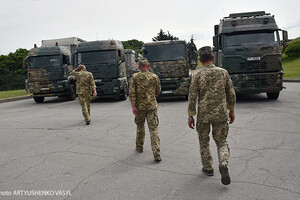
<point x="219" y="133"/>
<point x="152" y="121"/>
<point x="85" y="100"/>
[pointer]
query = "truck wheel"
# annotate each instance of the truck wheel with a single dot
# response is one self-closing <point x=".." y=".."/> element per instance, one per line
<point x="72" y="95"/>
<point x="123" y="96"/>
<point x="39" y="99"/>
<point x="273" y="95"/>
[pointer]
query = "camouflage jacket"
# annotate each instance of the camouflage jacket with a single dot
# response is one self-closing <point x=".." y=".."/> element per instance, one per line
<point x="144" y="87"/>
<point x="84" y="81"/>
<point x="213" y="88"/>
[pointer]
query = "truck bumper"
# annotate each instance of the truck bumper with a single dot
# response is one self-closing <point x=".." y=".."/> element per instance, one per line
<point x="175" y="86"/>
<point x="257" y="82"/>
<point x="111" y="88"/>
<point x="48" y="90"/>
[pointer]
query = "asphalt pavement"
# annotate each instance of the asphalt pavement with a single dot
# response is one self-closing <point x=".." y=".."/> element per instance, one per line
<point x="47" y="152"/>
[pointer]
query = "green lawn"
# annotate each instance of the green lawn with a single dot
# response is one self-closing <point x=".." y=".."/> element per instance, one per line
<point x="291" y="68"/>
<point x="12" y="93"/>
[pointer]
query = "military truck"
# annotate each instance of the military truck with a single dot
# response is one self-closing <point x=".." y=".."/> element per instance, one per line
<point x="248" y="46"/>
<point x="106" y="61"/>
<point x="49" y="68"/>
<point x="169" y="60"/>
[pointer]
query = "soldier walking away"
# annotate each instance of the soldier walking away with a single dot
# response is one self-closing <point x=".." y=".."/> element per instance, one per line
<point x="213" y="88"/>
<point x="144" y="88"/>
<point x="84" y="86"/>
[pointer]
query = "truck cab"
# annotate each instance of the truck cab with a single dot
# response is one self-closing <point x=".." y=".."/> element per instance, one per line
<point x="48" y="73"/>
<point x="248" y="46"/>
<point x="106" y="61"/>
<point x="169" y="60"/>
<point x="49" y="68"/>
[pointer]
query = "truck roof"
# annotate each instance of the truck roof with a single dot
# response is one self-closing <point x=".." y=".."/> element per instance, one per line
<point x="99" y="45"/>
<point x="62" y="42"/>
<point x="165" y="42"/>
<point x="248" y="21"/>
<point x="47" y="51"/>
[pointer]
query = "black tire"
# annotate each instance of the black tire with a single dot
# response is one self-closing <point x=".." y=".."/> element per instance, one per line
<point x="39" y="99"/>
<point x="72" y="95"/>
<point x="273" y="95"/>
<point x="123" y="95"/>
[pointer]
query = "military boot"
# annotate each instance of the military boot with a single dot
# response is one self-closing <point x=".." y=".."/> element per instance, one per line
<point x="139" y="149"/>
<point x="225" y="178"/>
<point x="157" y="158"/>
<point x="208" y="172"/>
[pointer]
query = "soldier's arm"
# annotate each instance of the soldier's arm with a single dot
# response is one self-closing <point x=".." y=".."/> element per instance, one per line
<point x="158" y="87"/>
<point x="132" y="96"/>
<point x="230" y="93"/>
<point x="93" y="85"/>
<point x="230" y="98"/>
<point x="193" y="95"/>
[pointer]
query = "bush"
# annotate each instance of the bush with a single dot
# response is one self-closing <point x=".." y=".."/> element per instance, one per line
<point x="293" y="49"/>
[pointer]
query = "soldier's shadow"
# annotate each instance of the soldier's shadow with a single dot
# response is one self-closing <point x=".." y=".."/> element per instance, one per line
<point x="251" y="98"/>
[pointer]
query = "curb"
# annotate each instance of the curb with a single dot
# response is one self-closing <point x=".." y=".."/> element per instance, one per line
<point x="15" y="98"/>
<point x="292" y="80"/>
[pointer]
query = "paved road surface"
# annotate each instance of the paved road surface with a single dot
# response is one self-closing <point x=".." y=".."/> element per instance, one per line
<point x="47" y="148"/>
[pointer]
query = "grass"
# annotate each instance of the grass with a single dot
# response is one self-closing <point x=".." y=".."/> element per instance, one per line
<point x="291" y="68"/>
<point x="12" y="93"/>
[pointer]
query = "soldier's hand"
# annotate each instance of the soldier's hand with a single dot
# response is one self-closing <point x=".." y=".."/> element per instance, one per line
<point x="191" y="122"/>
<point x="231" y="116"/>
<point x="94" y="93"/>
<point x="135" y="111"/>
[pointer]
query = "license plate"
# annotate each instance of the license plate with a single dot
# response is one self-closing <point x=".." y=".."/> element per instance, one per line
<point x="167" y="92"/>
<point x="45" y="89"/>
<point x="98" y="80"/>
<point x="253" y="58"/>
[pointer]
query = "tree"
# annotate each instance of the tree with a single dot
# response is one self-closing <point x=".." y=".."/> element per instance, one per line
<point x="163" y="36"/>
<point x="133" y="44"/>
<point x="12" y="74"/>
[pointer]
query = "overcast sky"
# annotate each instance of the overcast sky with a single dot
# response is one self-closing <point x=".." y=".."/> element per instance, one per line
<point x="24" y="23"/>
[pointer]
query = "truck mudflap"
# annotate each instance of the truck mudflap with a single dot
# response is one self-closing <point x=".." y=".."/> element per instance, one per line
<point x="175" y="86"/>
<point x="257" y="83"/>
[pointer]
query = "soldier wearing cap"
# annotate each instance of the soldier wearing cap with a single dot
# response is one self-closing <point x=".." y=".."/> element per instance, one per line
<point x="84" y="86"/>
<point x="144" y="88"/>
<point x="213" y="89"/>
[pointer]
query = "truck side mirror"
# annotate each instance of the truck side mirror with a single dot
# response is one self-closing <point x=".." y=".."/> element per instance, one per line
<point x="285" y="36"/>
<point x="284" y="39"/>
<point x="216" y="29"/>
<point x="215" y="41"/>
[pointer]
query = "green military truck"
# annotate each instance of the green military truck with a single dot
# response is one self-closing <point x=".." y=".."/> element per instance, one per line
<point x="49" y="68"/>
<point x="106" y="61"/>
<point x="169" y="60"/>
<point x="248" y="46"/>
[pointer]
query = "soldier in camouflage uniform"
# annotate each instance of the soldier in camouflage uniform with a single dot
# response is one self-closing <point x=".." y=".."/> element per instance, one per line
<point x="84" y="86"/>
<point x="144" y="88"/>
<point x="213" y="88"/>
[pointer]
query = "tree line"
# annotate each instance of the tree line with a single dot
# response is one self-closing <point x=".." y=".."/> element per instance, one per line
<point x="13" y="75"/>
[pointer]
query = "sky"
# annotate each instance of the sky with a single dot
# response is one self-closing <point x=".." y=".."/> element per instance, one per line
<point x="24" y="23"/>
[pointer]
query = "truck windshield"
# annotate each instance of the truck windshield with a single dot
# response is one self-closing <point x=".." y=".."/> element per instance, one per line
<point x="96" y="57"/>
<point x="251" y="38"/>
<point x="44" y="61"/>
<point x="165" y="52"/>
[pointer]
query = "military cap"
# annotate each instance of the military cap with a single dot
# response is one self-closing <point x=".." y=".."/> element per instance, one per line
<point x="143" y="62"/>
<point x="205" y="50"/>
